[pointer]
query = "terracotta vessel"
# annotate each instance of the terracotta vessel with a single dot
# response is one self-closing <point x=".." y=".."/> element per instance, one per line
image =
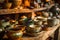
<point x="7" y="5"/>
<point x="16" y="3"/>
<point x="26" y="3"/>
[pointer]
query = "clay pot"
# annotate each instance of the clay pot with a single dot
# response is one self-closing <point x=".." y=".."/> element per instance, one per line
<point x="7" y="5"/>
<point x="45" y="14"/>
<point x="33" y="30"/>
<point x="27" y="3"/>
<point x="15" y="35"/>
<point x="52" y="22"/>
<point x="16" y="3"/>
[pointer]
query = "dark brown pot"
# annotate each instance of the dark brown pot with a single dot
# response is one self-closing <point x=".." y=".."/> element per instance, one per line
<point x="7" y="5"/>
<point x="16" y="3"/>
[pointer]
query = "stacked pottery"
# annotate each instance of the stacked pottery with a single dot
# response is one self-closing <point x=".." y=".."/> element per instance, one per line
<point x="16" y="33"/>
<point x="4" y="23"/>
<point x="33" y="30"/>
<point x="38" y="20"/>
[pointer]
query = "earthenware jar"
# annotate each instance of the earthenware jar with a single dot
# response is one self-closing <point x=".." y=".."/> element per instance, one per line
<point x="7" y="5"/>
<point x="16" y="3"/>
<point x="16" y="33"/>
<point x="26" y="3"/>
<point x="4" y="23"/>
<point x="33" y="29"/>
<point x="53" y="21"/>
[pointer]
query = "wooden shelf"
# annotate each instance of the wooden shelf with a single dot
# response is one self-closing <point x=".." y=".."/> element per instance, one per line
<point x="14" y="11"/>
<point x="40" y="9"/>
<point x="50" y="32"/>
<point x="44" y="34"/>
<point x="43" y="8"/>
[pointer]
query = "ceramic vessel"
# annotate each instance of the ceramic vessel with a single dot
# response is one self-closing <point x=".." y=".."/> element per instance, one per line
<point x="52" y="22"/>
<point x="26" y="3"/>
<point x="34" y="29"/>
<point x="16" y="3"/>
<point x="14" y="35"/>
<point x="45" y="14"/>
<point x="7" y="5"/>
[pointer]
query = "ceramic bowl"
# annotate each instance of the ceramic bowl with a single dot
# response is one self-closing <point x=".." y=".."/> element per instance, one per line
<point x="52" y="22"/>
<point x="15" y="34"/>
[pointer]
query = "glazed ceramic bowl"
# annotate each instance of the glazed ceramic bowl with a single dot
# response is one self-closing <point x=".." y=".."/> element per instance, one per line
<point x="33" y="30"/>
<point x="16" y="33"/>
